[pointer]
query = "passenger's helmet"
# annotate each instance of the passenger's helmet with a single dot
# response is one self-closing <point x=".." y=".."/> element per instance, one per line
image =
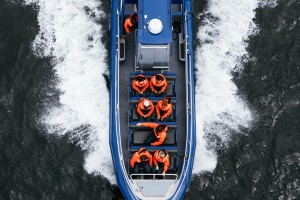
<point x="146" y="103"/>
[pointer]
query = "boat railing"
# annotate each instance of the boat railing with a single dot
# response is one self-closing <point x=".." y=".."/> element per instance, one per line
<point x="189" y="70"/>
<point x="189" y="78"/>
<point x="154" y="176"/>
<point x="116" y="96"/>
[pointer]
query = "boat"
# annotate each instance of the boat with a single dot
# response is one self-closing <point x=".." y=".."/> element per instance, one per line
<point x="162" y="43"/>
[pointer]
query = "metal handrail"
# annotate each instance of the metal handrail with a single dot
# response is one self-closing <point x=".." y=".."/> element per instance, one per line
<point x="164" y="176"/>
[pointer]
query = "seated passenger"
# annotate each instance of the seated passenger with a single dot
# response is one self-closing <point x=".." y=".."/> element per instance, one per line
<point x="139" y="85"/>
<point x="145" y="109"/>
<point x="130" y="23"/>
<point x="161" y="162"/>
<point x="164" y="109"/>
<point x="141" y="159"/>
<point x="159" y="136"/>
<point x="158" y="85"/>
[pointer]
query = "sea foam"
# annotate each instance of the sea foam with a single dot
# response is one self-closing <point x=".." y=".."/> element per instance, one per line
<point x="220" y="111"/>
<point x="70" y="35"/>
<point x="72" y="38"/>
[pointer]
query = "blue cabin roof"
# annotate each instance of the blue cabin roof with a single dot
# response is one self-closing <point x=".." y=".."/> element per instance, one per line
<point x="160" y="9"/>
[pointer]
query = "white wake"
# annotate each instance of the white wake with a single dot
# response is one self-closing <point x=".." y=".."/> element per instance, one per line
<point x="69" y="34"/>
<point x="220" y="111"/>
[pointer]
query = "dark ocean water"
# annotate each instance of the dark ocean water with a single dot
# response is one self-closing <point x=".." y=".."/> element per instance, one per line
<point x="261" y="164"/>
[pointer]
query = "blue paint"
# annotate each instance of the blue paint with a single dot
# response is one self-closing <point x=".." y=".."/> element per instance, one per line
<point x="146" y="37"/>
<point x="155" y="9"/>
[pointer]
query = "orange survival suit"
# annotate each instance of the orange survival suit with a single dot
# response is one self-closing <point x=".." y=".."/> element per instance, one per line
<point x="131" y="23"/>
<point x="136" y="157"/>
<point x="161" y="136"/>
<point x="158" y="86"/>
<point x="165" y="107"/>
<point x="142" y="110"/>
<point x="164" y="160"/>
<point x="140" y="83"/>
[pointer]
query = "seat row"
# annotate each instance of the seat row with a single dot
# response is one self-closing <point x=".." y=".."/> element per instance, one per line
<point x="169" y="92"/>
<point x="173" y="161"/>
<point x="135" y="117"/>
<point x="138" y="136"/>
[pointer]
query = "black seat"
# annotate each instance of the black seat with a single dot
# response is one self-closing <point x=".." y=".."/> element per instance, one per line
<point x="171" y="137"/>
<point x="173" y="163"/>
<point x="134" y="114"/>
<point x="139" y="136"/>
<point x="170" y="89"/>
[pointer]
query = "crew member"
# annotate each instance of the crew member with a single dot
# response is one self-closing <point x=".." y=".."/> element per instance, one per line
<point x="130" y="23"/>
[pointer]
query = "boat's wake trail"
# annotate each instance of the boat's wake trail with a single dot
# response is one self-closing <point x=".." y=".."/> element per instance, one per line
<point x="220" y="111"/>
<point x="71" y="35"/>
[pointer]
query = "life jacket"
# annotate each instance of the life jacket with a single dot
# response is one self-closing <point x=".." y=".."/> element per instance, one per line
<point x="165" y="160"/>
<point x="128" y="25"/>
<point x="162" y="133"/>
<point x="161" y="136"/>
<point x="136" y="157"/>
<point x="154" y="85"/>
<point x="142" y="110"/>
<point x="164" y="111"/>
<point x="140" y="86"/>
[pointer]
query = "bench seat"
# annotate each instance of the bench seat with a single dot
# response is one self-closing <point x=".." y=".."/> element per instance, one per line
<point x="171" y="88"/>
<point x="139" y="136"/>
<point x="173" y="159"/>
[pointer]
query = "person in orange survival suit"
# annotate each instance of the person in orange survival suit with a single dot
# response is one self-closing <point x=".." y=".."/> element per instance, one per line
<point x="130" y="23"/>
<point x="159" y="136"/>
<point x="164" y="109"/>
<point x="141" y="159"/>
<point x="161" y="162"/>
<point x="140" y="84"/>
<point x="145" y="109"/>
<point x="158" y="85"/>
